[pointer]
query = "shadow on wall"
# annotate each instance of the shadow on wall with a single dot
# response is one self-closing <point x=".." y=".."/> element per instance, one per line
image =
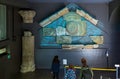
<point x="115" y="37"/>
<point x="115" y="27"/>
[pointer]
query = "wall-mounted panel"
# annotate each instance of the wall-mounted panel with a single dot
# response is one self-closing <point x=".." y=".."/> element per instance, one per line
<point x="70" y="26"/>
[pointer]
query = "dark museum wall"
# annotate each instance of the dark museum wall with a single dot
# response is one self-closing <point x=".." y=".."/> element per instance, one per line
<point x="115" y="26"/>
<point x="10" y="66"/>
<point x="43" y="57"/>
<point x="17" y="3"/>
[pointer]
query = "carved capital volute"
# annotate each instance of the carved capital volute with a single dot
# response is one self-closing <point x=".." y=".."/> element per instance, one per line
<point x="27" y="15"/>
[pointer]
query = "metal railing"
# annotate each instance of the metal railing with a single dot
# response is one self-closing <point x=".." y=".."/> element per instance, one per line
<point x="100" y="73"/>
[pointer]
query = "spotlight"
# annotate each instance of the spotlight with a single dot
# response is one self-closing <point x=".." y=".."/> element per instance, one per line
<point x="117" y="65"/>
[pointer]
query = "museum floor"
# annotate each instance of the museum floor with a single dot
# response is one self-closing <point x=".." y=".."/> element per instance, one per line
<point x="38" y="74"/>
<point x="45" y="74"/>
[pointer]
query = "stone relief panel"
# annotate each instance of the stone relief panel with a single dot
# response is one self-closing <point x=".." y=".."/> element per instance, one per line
<point x="71" y="26"/>
<point x="64" y="39"/>
<point x="49" y="32"/>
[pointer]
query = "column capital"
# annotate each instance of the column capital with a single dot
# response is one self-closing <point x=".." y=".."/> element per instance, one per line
<point x="27" y="15"/>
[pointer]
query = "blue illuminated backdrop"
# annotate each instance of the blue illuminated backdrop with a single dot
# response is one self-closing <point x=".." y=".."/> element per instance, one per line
<point x="70" y="26"/>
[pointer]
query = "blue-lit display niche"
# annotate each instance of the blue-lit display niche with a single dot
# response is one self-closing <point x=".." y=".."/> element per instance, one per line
<point x="69" y="28"/>
<point x="3" y="28"/>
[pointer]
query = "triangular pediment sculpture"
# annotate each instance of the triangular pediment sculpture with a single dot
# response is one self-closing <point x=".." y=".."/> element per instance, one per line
<point x="71" y="27"/>
<point x="67" y="9"/>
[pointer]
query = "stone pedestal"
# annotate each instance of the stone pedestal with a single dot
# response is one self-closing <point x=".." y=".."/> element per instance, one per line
<point x="27" y="15"/>
<point x="27" y="53"/>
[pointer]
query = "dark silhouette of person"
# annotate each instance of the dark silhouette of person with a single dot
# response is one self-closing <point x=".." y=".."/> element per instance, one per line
<point x="55" y="67"/>
<point x="85" y="71"/>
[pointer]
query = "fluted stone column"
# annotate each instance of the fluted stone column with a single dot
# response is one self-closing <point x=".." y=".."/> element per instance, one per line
<point x="27" y="15"/>
<point x="27" y="53"/>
